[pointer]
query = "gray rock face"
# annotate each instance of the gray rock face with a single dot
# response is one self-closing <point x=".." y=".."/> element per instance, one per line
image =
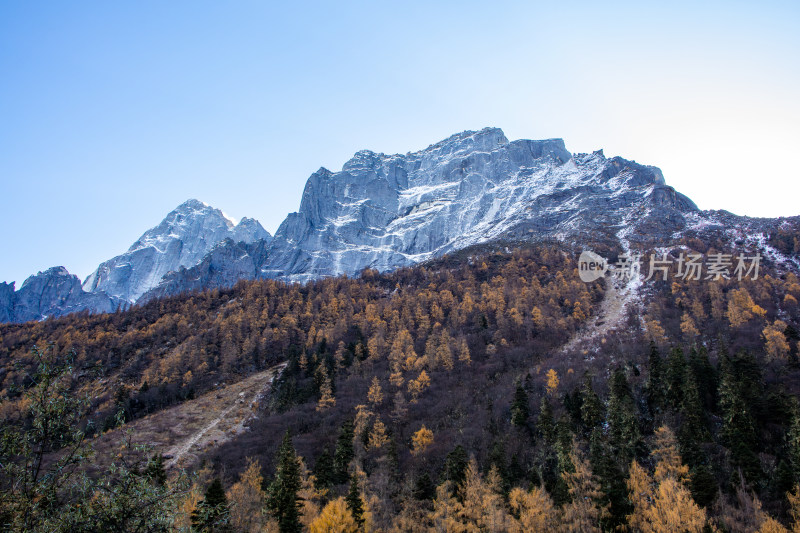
<point x="387" y="211"/>
<point x="182" y="239"/>
<point x="56" y="292"/>
<point x="6" y="302"/>
<point x="227" y="263"/>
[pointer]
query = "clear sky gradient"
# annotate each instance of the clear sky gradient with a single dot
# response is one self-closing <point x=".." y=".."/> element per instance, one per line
<point x="113" y="113"/>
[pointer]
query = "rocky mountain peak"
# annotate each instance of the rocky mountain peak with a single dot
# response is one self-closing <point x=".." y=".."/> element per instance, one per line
<point x="182" y="239"/>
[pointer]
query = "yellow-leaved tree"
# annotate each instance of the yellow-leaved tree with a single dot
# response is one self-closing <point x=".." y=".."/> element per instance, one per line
<point x="421" y="440"/>
<point x="334" y="518"/>
<point x="583" y="512"/>
<point x="378" y="436"/>
<point x="535" y="509"/>
<point x="246" y="499"/>
<point x="482" y="507"/>
<point x="776" y="345"/>
<point x="662" y="503"/>
<point x="375" y="394"/>
<point x="552" y="382"/>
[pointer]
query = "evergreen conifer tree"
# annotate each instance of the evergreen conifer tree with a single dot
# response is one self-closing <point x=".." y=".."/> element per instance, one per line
<point x="353" y="500"/>
<point x="344" y="452"/>
<point x="519" y="407"/>
<point x="282" y="498"/>
<point x="211" y="514"/>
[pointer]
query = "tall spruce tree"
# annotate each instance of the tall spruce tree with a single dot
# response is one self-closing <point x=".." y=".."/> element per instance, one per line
<point x="519" y="407"/>
<point x="354" y="502"/>
<point x="323" y="470"/>
<point x="591" y="408"/>
<point x="455" y="467"/>
<point x="706" y="377"/>
<point x="739" y="432"/>
<point x="656" y="378"/>
<point x="623" y="425"/>
<point x="676" y="374"/>
<point x="693" y="429"/>
<point x="612" y="480"/>
<point x="282" y="498"/>
<point x="344" y="452"/>
<point x="793" y="442"/>
<point x="546" y="421"/>
<point x="212" y="514"/>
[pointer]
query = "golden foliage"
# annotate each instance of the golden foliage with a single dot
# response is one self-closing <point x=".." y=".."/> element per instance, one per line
<point x="421" y="440"/>
<point x="378" y="436"/>
<point x="246" y="498"/>
<point x="375" y="394"/>
<point x="583" y="512"/>
<point x="552" y="382"/>
<point x="741" y="307"/>
<point x="662" y="503"/>
<point x="535" y="509"/>
<point x="655" y="332"/>
<point x="794" y="507"/>
<point x="334" y="518"/>
<point x="418" y="386"/>
<point x="688" y="327"/>
<point x="326" y="399"/>
<point x="775" y="343"/>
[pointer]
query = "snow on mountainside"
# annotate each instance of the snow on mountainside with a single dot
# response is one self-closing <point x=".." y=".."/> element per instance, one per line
<point x="182" y="239"/>
<point x="386" y="211"/>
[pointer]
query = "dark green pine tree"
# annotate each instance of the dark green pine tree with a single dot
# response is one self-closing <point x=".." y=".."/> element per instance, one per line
<point x="455" y="467"/>
<point x="323" y="470"/>
<point x="693" y="429"/>
<point x="353" y="500"/>
<point x="211" y="514"/>
<point x="546" y="424"/>
<point x="703" y="485"/>
<point x="344" y="452"/>
<point x="623" y="425"/>
<point x="393" y="462"/>
<point x="706" y="377"/>
<point x="573" y="403"/>
<point x="656" y="378"/>
<point x="519" y="407"/>
<point x="155" y="470"/>
<point x="612" y="480"/>
<point x="424" y="488"/>
<point x="282" y="498"/>
<point x="591" y="408"/>
<point x="793" y="442"/>
<point x="739" y="431"/>
<point x="676" y="374"/>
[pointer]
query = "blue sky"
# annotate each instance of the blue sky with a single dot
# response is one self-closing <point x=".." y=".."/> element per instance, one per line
<point x="112" y="114"/>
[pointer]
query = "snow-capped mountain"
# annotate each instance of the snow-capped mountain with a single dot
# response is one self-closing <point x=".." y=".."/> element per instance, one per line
<point x="182" y="239"/>
<point x="386" y="211"/>
<point x="186" y="237"/>
<point x="52" y="293"/>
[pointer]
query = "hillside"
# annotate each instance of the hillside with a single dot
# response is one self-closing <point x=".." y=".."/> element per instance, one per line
<point x="498" y="352"/>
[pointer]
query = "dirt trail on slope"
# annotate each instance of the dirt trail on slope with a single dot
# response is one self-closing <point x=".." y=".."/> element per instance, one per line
<point x="183" y="432"/>
<point x="610" y="317"/>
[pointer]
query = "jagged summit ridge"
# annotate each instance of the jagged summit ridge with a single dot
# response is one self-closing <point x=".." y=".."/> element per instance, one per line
<point x="386" y="211"/>
<point x="182" y="239"/>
